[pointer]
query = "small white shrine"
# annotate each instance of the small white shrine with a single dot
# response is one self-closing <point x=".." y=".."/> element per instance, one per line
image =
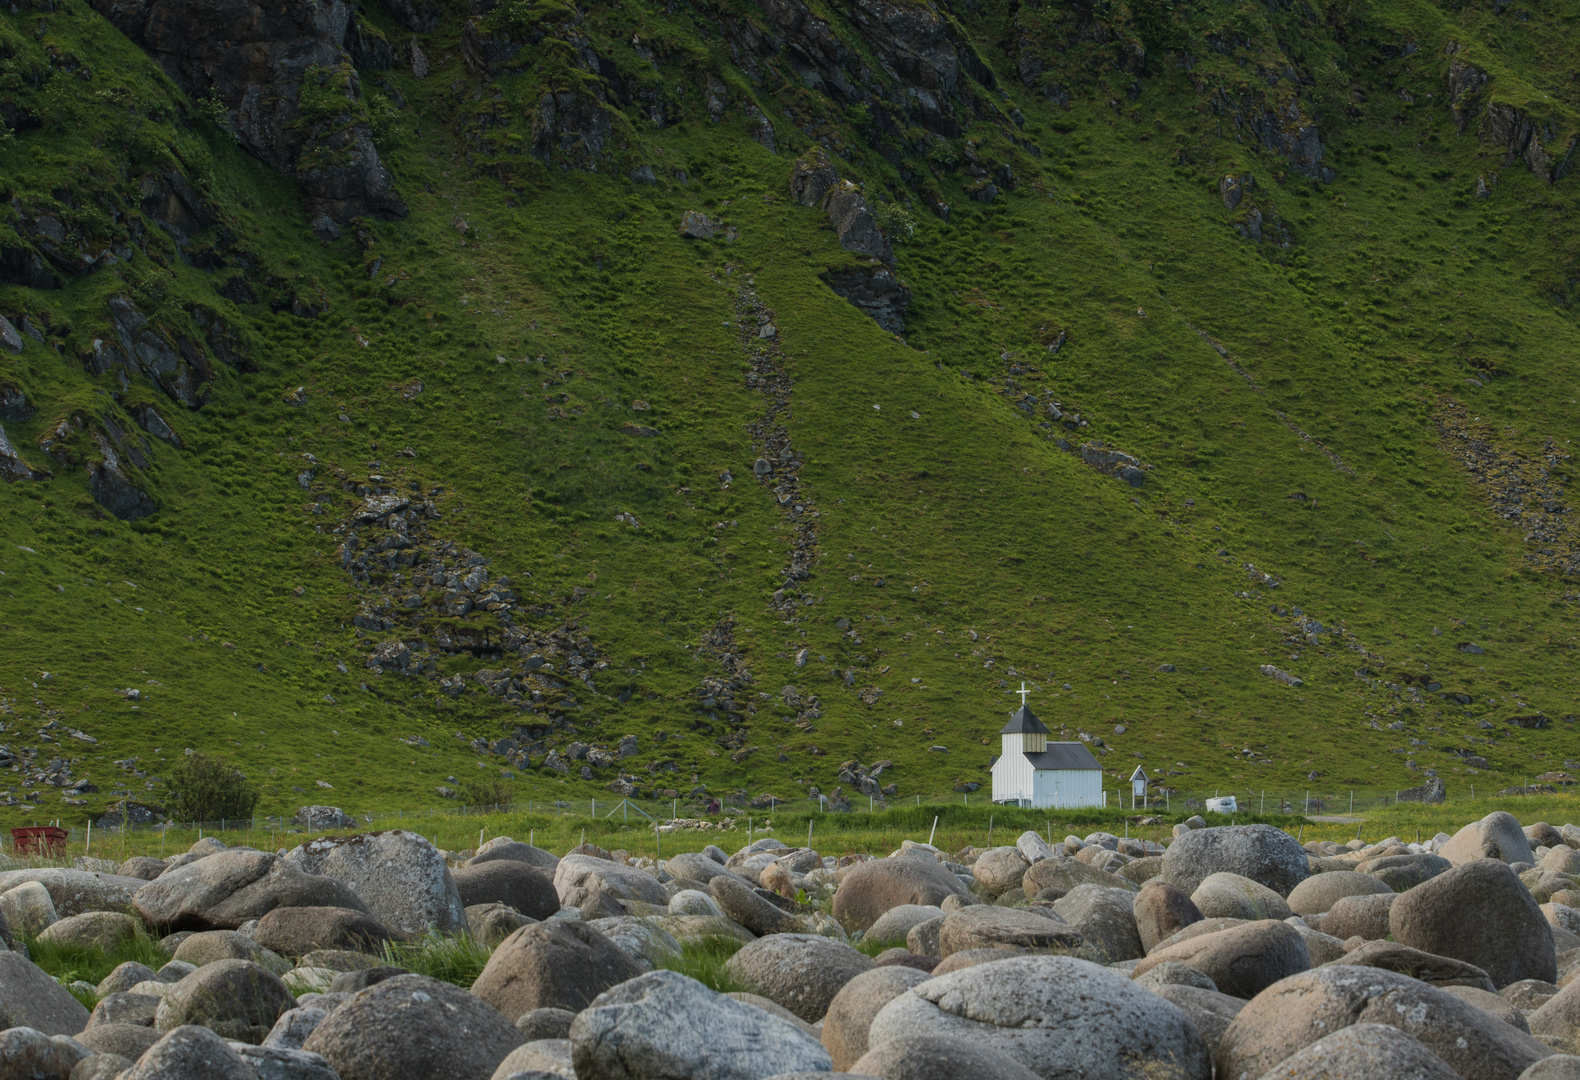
<point x="1031" y="771"/>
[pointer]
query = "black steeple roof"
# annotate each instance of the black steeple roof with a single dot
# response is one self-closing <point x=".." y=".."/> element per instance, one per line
<point x="1023" y="722"/>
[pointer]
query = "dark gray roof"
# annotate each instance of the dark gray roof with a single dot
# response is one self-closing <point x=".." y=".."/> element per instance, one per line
<point x="1064" y="755"/>
<point x="1023" y="722"/>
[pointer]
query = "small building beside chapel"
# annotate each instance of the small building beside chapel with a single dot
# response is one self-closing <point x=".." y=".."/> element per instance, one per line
<point x="1031" y="771"/>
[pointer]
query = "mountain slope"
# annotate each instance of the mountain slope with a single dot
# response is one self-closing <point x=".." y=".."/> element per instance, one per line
<point x="411" y="370"/>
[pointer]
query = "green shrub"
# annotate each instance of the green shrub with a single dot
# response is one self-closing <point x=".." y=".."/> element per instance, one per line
<point x="204" y="788"/>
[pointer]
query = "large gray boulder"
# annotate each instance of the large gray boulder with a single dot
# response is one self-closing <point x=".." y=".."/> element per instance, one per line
<point x="1364" y="1052"/>
<point x="1319" y="892"/>
<point x="399" y="875"/>
<point x="492" y="923"/>
<point x="1479" y="912"/>
<point x="896" y="923"/>
<point x="94" y="929"/>
<point x="285" y="885"/>
<point x="1059" y="1016"/>
<point x="26" y="1054"/>
<point x="297" y="931"/>
<point x="412" y="1027"/>
<point x="741" y="903"/>
<point x="236" y="999"/>
<point x="1209" y="1010"/>
<point x="1162" y="910"/>
<point x="1496" y="836"/>
<point x="180" y="899"/>
<point x="1230" y="896"/>
<point x="850" y="1014"/>
<point x="801" y="972"/>
<point x="695" y="866"/>
<point x="1288" y="1017"/>
<point x="1065" y="874"/>
<point x="1105" y="919"/>
<point x="1242" y="961"/>
<point x="1365" y="916"/>
<point x="984" y="926"/>
<point x="664" y="1025"/>
<point x="509" y="882"/>
<point x="190" y="1053"/>
<point x="76" y="891"/>
<point x="1401" y="872"/>
<point x="1266" y="855"/>
<point x="516" y="851"/>
<point x="557" y="964"/>
<point x="579" y="877"/>
<point x="869" y="889"/>
<point x="129" y="1040"/>
<point x="641" y="939"/>
<point x="938" y="1057"/>
<point x="998" y="870"/>
<point x="30" y="998"/>
<point x="1441" y="971"/>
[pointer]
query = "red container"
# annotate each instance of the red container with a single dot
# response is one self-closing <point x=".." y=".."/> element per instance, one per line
<point x="39" y="840"/>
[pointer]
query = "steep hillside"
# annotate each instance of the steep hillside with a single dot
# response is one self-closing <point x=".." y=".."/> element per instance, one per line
<point x="782" y="385"/>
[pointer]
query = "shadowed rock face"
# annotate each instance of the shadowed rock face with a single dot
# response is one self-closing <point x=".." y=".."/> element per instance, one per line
<point x="257" y="59"/>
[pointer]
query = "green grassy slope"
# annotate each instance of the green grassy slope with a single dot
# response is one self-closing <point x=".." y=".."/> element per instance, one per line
<point x="1318" y="446"/>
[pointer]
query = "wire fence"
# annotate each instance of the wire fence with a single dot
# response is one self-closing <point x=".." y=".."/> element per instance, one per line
<point x="666" y="815"/>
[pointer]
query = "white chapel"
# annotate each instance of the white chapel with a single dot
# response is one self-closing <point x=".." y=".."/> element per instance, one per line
<point x="1031" y="771"/>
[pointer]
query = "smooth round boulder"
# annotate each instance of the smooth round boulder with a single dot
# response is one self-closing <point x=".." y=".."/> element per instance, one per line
<point x="664" y="1024"/>
<point x="30" y="998"/>
<point x="94" y="929"/>
<point x="1288" y="1017"/>
<point x="1057" y="1015"/>
<point x="922" y="939"/>
<point x="190" y="1052"/>
<point x="1478" y="912"/>
<point x="180" y="898"/>
<point x="693" y="902"/>
<point x="1065" y="874"/>
<point x="559" y="964"/>
<point x="208" y="946"/>
<point x="399" y="875"/>
<point x="28" y="908"/>
<point x="1557" y="1067"/>
<point x="1319" y="892"/>
<point x="415" y="1028"/>
<point x="506" y="881"/>
<point x="293" y="1027"/>
<point x="1105" y="919"/>
<point x="579" y="878"/>
<point x="1401" y="872"/>
<point x="1174" y="973"/>
<point x="745" y="905"/>
<point x="1266" y="855"/>
<point x="125" y="976"/>
<point x="142" y="866"/>
<point x="1363" y="1052"/>
<point x="128" y="1040"/>
<point x="125" y="1007"/>
<point x="869" y="889"/>
<point x="1242" y="961"/>
<point x="545" y="1024"/>
<point x="285" y="885"/>
<point x="236" y="999"/>
<point x="297" y="931"/>
<point x="984" y="926"/>
<point x="1209" y="1010"/>
<point x="850" y="1014"/>
<point x="896" y="923"/>
<point x="801" y="972"/>
<point x="490" y="924"/>
<point x="998" y="870"/>
<point x="1558" y="1018"/>
<point x="101" y="1067"/>
<point x="1496" y="836"/>
<point x="1162" y="910"/>
<point x="516" y="851"/>
<point x="1489" y="1003"/>
<point x="1365" y="916"/>
<point x="936" y="1057"/>
<point x="1529" y="994"/>
<point x="1230" y="896"/>
<point x="1441" y="971"/>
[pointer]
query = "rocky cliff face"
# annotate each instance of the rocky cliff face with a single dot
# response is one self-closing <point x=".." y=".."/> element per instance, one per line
<point x="283" y="74"/>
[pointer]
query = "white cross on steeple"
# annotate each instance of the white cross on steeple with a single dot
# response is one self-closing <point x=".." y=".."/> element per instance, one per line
<point x="1023" y="692"/>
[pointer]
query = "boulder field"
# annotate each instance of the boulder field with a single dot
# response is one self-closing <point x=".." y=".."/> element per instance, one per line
<point x="1230" y="952"/>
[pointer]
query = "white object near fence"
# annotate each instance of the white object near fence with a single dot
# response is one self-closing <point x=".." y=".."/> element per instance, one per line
<point x="1225" y="805"/>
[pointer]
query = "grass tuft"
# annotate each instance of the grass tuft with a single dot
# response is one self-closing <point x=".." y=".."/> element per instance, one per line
<point x="459" y="960"/>
<point x="705" y="960"/>
<point x="89" y="963"/>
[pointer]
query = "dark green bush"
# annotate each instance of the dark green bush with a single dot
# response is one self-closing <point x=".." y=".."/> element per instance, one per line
<point x="204" y="788"/>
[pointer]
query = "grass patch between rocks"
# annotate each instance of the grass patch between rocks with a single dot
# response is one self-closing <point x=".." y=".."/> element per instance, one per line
<point x="704" y="960"/>
<point x="71" y="963"/>
<point x="459" y="960"/>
